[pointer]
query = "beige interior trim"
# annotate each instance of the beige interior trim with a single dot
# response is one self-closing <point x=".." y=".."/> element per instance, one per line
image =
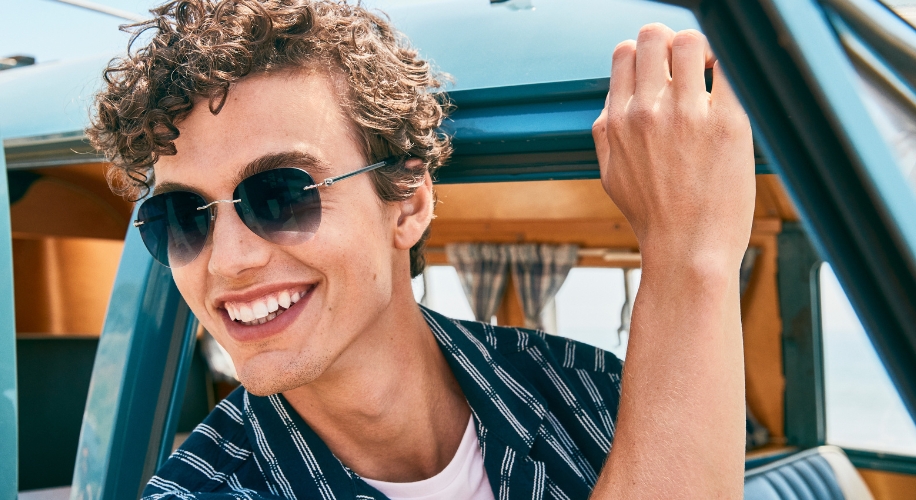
<point x="851" y="483"/>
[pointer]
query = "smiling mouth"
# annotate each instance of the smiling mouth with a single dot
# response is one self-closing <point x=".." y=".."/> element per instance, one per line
<point x="266" y="308"/>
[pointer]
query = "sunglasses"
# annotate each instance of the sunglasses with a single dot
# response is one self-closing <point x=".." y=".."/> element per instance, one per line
<point x="281" y="205"/>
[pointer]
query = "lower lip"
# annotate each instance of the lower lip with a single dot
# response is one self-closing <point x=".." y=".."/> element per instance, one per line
<point x="255" y="333"/>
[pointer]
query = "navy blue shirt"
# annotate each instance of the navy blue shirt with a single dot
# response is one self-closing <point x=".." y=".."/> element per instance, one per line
<point x="545" y="408"/>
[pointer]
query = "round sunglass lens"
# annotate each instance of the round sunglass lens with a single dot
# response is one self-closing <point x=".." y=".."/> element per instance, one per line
<point x="174" y="230"/>
<point x="276" y="207"/>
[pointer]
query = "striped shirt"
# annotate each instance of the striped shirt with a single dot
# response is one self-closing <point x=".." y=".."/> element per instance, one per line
<point x="545" y="408"/>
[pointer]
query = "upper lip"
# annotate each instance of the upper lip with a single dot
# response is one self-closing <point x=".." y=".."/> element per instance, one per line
<point x="254" y="293"/>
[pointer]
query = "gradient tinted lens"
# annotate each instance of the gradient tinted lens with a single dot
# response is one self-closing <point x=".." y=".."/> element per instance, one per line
<point x="173" y="228"/>
<point x="277" y="208"/>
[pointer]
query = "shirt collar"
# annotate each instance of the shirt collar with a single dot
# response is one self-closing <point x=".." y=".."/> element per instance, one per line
<point x="502" y="399"/>
<point x="503" y="402"/>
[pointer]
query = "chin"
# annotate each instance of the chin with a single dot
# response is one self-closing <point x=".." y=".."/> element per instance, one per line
<point x="266" y="376"/>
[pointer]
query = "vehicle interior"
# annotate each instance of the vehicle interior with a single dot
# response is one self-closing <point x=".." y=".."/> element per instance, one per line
<point x="112" y="371"/>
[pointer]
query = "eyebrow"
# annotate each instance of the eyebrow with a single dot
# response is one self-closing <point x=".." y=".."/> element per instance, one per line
<point x="294" y="159"/>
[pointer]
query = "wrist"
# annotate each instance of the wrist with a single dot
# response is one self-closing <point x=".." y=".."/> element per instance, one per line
<point x="713" y="266"/>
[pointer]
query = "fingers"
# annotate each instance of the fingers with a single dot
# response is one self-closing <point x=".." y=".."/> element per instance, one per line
<point x="722" y="93"/>
<point x="690" y="56"/>
<point x="623" y="74"/>
<point x="653" y="57"/>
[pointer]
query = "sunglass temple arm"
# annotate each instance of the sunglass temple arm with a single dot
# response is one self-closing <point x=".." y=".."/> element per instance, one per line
<point x="331" y="180"/>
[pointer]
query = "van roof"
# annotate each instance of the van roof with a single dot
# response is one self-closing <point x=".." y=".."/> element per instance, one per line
<point x="44" y="108"/>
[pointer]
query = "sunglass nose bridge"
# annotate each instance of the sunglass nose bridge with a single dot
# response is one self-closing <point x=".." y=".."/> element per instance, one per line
<point x="213" y="209"/>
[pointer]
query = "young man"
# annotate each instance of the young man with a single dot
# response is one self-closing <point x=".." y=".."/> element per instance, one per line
<point x="245" y="117"/>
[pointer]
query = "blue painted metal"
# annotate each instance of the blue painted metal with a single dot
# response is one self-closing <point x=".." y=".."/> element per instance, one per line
<point x="483" y="46"/>
<point x="140" y="371"/>
<point x="527" y="132"/>
<point x="491" y="46"/>
<point x="521" y="114"/>
<point x="49" y="100"/>
<point x="804" y="102"/>
<point x="9" y="413"/>
<point x="176" y="398"/>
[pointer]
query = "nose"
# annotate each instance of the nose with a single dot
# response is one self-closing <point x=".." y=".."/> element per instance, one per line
<point x="234" y="249"/>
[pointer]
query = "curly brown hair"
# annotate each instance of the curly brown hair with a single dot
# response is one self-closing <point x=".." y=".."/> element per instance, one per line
<point x="199" y="48"/>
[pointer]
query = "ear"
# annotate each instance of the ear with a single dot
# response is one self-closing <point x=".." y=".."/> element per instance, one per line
<point x="415" y="213"/>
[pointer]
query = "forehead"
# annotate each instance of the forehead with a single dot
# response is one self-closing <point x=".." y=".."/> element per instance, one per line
<point x="263" y="115"/>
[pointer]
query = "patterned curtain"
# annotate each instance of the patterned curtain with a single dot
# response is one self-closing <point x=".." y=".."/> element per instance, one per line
<point x="482" y="270"/>
<point x="539" y="271"/>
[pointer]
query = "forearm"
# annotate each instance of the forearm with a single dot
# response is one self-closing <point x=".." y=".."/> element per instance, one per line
<point x="681" y="421"/>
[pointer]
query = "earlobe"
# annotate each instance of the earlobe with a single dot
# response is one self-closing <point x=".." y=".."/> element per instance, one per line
<point x="415" y="214"/>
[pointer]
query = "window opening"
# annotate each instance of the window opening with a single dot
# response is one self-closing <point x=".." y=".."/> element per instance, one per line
<point x="864" y="410"/>
<point x="590" y="307"/>
<point x="439" y="289"/>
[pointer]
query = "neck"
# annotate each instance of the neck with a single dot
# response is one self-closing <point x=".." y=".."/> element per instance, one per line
<point x="390" y="407"/>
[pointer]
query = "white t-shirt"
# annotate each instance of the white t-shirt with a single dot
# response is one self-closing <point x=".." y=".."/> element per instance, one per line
<point x="464" y="478"/>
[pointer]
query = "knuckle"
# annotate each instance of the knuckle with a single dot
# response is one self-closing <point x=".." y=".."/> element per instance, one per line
<point x="599" y="127"/>
<point x="655" y="31"/>
<point x="689" y="37"/>
<point x="624" y="49"/>
<point x="616" y="120"/>
<point x="641" y="114"/>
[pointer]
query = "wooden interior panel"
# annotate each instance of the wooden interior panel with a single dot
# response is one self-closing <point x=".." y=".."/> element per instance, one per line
<point x="540" y="200"/>
<point x="578" y="199"/>
<point x="510" y="311"/>
<point x="764" y="379"/>
<point x="62" y="285"/>
<point x="593" y="233"/>
<point x="71" y="201"/>
<point x="773" y="194"/>
<point x="889" y="485"/>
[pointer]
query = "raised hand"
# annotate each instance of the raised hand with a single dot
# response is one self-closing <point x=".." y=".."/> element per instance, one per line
<point x="679" y="163"/>
<point x="676" y="159"/>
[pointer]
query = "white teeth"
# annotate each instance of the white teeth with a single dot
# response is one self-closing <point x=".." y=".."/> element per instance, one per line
<point x="245" y="313"/>
<point x="263" y="310"/>
<point x="284" y="300"/>
<point x="260" y="309"/>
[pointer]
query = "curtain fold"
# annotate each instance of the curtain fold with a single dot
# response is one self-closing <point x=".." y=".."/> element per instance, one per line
<point x="539" y="272"/>
<point x="482" y="269"/>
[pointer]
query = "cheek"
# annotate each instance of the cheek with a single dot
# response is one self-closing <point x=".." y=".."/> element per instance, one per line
<point x="356" y="250"/>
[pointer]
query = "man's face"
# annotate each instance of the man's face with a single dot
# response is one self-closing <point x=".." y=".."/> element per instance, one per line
<point x="343" y="276"/>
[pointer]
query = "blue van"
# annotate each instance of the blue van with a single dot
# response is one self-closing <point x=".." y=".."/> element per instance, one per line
<point x="103" y="367"/>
